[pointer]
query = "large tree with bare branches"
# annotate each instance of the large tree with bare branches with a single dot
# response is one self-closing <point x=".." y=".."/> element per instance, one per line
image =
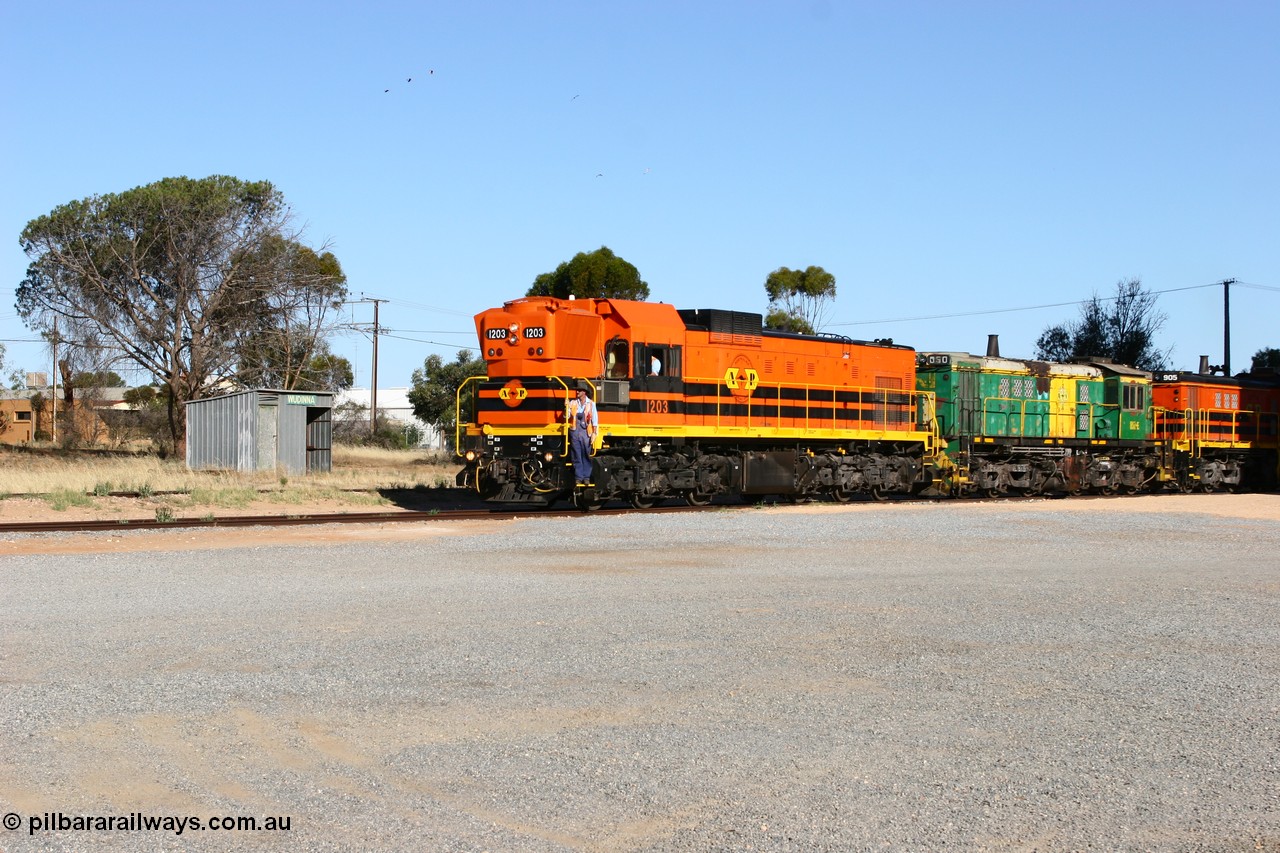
<point x="177" y="277"/>
<point x="1121" y="328"/>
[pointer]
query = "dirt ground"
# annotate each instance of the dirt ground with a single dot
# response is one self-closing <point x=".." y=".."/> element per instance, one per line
<point x="1253" y="506"/>
<point x="419" y="692"/>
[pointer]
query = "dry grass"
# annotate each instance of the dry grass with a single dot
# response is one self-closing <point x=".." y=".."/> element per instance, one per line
<point x="65" y="479"/>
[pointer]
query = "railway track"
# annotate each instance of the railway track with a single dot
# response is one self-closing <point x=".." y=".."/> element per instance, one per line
<point x="398" y="517"/>
<point x="473" y="514"/>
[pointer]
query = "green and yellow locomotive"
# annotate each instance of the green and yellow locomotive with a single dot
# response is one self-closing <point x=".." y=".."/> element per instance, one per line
<point x="1027" y="427"/>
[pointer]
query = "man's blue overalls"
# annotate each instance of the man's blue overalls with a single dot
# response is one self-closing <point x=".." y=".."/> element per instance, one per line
<point x="580" y="439"/>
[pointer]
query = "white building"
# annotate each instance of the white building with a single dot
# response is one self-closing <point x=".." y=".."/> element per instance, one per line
<point x="393" y="404"/>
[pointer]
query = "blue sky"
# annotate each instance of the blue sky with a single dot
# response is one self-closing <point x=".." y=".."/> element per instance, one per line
<point x="946" y="160"/>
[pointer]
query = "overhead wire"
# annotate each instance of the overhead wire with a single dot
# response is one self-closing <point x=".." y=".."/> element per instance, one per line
<point x="1037" y="307"/>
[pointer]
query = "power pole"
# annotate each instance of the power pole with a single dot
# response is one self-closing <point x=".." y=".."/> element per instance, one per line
<point x="54" y="341"/>
<point x="1226" y="325"/>
<point x="373" y="383"/>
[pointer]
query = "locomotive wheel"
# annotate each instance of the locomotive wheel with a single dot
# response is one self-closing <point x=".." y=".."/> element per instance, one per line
<point x="640" y="501"/>
<point x="582" y="502"/>
<point x="696" y="499"/>
<point x="841" y="496"/>
<point x="878" y="494"/>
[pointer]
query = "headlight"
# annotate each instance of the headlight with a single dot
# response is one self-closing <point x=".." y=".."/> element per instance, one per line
<point x="548" y="456"/>
<point x="471" y="456"/>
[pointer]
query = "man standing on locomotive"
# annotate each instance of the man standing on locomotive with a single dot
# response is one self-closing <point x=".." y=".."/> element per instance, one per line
<point x="583" y="423"/>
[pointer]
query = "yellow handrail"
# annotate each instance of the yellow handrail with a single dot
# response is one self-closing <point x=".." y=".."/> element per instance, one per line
<point x="457" y="409"/>
<point x="884" y="407"/>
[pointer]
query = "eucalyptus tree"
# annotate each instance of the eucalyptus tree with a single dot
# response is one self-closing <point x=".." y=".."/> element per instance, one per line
<point x="180" y="277"/>
<point x="592" y="274"/>
<point x="799" y="300"/>
<point x="434" y="393"/>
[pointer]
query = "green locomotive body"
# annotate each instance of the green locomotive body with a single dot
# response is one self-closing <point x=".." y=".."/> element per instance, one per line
<point x="1031" y="426"/>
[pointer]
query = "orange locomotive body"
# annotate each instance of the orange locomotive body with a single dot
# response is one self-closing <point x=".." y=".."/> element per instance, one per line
<point x="691" y="404"/>
<point x="1218" y="432"/>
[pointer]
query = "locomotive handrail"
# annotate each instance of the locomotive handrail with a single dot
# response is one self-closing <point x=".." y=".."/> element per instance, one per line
<point x="1091" y="421"/>
<point x="1023" y="415"/>
<point x="890" y="407"/>
<point x="457" y="408"/>
<point x="562" y="424"/>
<point x="1198" y="426"/>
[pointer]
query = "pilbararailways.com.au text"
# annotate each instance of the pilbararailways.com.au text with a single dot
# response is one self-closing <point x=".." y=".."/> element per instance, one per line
<point x="141" y="822"/>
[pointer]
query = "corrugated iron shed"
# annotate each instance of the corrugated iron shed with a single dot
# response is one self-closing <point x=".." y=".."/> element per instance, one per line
<point x="262" y="429"/>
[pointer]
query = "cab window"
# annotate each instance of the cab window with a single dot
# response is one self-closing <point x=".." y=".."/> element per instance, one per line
<point x="657" y="360"/>
<point x="616" y="364"/>
<point x="1134" y="397"/>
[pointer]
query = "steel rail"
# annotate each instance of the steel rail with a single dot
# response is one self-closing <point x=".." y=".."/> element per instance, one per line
<point x="410" y="516"/>
<point x="399" y="517"/>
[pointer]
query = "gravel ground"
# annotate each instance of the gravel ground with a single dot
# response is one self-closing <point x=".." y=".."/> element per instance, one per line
<point x="919" y="677"/>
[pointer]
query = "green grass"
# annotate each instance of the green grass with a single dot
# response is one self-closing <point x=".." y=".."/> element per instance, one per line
<point x="234" y="498"/>
<point x="62" y="499"/>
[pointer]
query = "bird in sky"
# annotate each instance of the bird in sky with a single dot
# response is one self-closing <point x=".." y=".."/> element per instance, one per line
<point x="599" y="174"/>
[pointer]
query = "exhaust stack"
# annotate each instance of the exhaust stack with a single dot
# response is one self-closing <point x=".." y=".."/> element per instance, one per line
<point x="993" y="346"/>
<point x="1204" y="365"/>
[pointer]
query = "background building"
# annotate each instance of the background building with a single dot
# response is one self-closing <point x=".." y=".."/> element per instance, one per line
<point x="394" y="406"/>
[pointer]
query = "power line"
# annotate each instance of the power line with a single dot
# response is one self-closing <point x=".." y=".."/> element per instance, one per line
<point x="421" y="307"/>
<point x="435" y="331"/>
<point x="1030" y="307"/>
<point x="385" y="334"/>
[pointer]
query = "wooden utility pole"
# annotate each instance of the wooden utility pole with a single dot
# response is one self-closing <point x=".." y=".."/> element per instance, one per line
<point x="1226" y="326"/>
<point x="373" y="382"/>
<point x="54" y="342"/>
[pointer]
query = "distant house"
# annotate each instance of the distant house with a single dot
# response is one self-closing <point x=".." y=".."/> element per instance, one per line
<point x="17" y="419"/>
<point x="394" y="405"/>
<point x="28" y="415"/>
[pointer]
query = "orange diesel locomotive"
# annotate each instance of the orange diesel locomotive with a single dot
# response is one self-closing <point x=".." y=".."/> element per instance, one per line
<point x="1218" y="432"/>
<point x="692" y="404"/>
